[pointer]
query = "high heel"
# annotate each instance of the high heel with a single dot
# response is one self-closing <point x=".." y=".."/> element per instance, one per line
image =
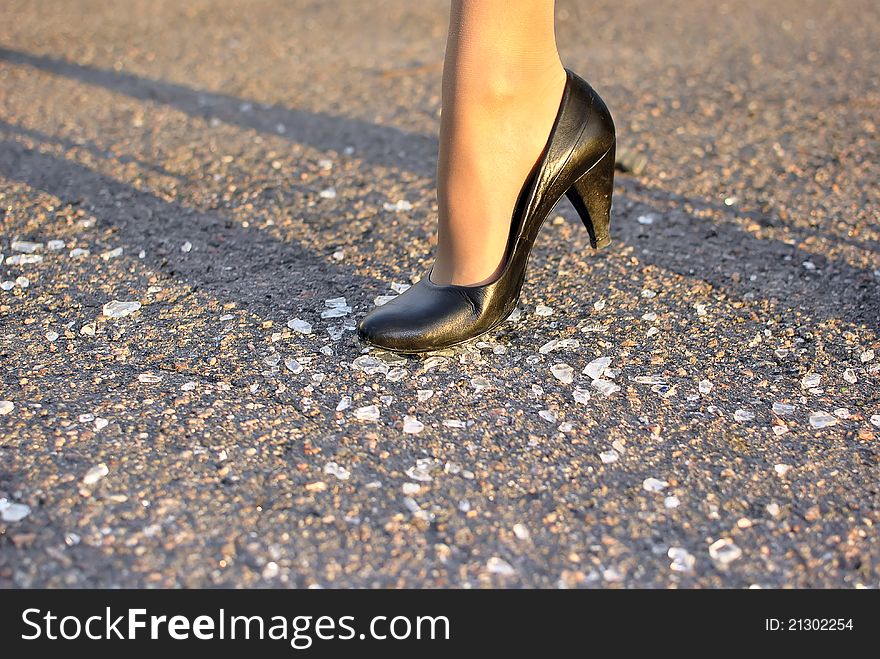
<point x="591" y="197"/>
<point x="578" y="162"/>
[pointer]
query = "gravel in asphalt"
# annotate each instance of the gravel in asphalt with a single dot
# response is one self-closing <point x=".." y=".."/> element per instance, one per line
<point x="199" y="200"/>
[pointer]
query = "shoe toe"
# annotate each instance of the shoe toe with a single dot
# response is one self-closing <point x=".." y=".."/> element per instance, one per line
<point x="421" y="319"/>
<point x="384" y="328"/>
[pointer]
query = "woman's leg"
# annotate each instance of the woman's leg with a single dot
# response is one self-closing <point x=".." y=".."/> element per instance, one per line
<point x="502" y="84"/>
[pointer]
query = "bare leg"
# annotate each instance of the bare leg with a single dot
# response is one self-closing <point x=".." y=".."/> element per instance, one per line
<point x="502" y="84"/>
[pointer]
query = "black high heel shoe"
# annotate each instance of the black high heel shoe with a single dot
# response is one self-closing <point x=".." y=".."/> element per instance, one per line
<point x="578" y="161"/>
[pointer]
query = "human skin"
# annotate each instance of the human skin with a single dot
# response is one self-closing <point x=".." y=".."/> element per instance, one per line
<point x="502" y="84"/>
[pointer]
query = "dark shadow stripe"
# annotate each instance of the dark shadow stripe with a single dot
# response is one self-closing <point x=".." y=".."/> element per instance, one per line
<point x="245" y="265"/>
<point x="378" y="145"/>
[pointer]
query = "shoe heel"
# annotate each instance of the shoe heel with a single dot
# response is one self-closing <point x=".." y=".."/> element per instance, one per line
<point x="591" y="197"/>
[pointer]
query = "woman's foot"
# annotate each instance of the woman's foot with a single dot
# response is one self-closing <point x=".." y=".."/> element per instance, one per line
<point x="502" y="84"/>
<point x="579" y="163"/>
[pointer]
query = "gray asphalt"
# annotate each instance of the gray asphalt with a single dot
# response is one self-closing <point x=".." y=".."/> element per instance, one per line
<point x="231" y="166"/>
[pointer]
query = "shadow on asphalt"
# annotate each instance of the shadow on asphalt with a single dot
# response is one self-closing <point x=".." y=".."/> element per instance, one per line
<point x="232" y="262"/>
<point x="712" y="251"/>
<point x="378" y="145"/>
<point x="91" y="147"/>
<point x="726" y="256"/>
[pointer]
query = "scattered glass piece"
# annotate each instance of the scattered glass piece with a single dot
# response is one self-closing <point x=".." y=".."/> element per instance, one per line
<point x="782" y="409"/>
<point x="664" y="390"/>
<point x="396" y="374"/>
<point x="595" y="327"/>
<point x="411" y="489"/>
<point x="548" y="347"/>
<point x="396" y="207"/>
<point x="654" y="485"/>
<point x="781" y="468"/>
<point x="412" y="425"/>
<point x="724" y="552"/>
<point x="334" y="469"/>
<point x="597" y="367"/>
<point x="608" y="457"/>
<point x="298" y="325"/>
<point x="95" y="474"/>
<point x="420" y="472"/>
<point x="367" y="413"/>
<point x="810" y="381"/>
<point x="605" y="387"/>
<point x="24" y="259"/>
<point x="433" y="362"/>
<point x="25" y="247"/>
<point x="649" y="379"/>
<point x="563" y="372"/>
<point x="822" y="419"/>
<point x="547" y="415"/>
<point x="682" y="560"/>
<point x="13" y="512"/>
<point x="499" y="566"/>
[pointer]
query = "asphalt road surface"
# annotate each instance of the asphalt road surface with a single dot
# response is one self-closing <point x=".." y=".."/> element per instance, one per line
<point x="233" y="166"/>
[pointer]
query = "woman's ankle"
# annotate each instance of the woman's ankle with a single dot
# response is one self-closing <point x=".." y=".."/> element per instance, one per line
<point x="500" y="88"/>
